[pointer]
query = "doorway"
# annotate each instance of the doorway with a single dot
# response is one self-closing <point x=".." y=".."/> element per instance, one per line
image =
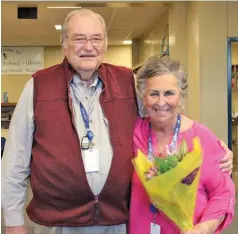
<point x="232" y="75"/>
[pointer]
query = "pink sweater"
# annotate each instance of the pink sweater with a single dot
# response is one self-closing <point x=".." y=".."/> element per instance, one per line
<point x="215" y="195"/>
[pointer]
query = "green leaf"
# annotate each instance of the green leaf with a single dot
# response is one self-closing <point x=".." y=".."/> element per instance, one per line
<point x="158" y="162"/>
<point x="162" y="169"/>
<point x="172" y="161"/>
<point x="167" y="166"/>
<point x="161" y="165"/>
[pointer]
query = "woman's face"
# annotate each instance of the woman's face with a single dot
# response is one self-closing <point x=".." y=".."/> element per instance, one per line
<point x="162" y="98"/>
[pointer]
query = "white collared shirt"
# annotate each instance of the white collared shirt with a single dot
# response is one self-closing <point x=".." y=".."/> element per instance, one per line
<point x="99" y="127"/>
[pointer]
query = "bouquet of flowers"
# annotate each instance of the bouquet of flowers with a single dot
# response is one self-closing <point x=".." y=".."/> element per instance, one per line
<point x="171" y="183"/>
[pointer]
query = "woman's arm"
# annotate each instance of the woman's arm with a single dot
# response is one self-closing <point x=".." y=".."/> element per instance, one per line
<point x="219" y="186"/>
<point x="221" y="198"/>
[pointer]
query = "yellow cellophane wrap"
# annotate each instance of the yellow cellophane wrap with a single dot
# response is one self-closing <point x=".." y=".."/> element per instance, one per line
<point x="166" y="192"/>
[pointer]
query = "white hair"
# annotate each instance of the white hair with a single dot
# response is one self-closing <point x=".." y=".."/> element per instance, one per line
<point x="155" y="66"/>
<point x="81" y="12"/>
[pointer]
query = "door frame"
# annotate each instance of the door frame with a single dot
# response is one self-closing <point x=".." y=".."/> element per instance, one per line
<point x="229" y="88"/>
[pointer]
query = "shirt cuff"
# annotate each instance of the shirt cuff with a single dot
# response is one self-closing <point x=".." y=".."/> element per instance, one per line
<point x="13" y="218"/>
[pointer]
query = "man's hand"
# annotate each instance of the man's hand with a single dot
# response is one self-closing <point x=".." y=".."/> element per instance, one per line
<point x="226" y="163"/>
<point x="16" y="230"/>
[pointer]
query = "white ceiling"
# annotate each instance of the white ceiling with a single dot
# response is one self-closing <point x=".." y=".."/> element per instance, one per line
<point x="124" y="21"/>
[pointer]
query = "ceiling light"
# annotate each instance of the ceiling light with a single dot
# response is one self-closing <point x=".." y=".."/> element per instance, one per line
<point x="58" y="27"/>
<point x="64" y="7"/>
<point x="127" y="42"/>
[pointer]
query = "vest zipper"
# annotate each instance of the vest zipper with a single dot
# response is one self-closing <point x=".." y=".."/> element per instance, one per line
<point x="96" y="209"/>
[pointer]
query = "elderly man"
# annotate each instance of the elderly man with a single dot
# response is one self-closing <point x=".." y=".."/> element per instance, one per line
<point x="72" y="133"/>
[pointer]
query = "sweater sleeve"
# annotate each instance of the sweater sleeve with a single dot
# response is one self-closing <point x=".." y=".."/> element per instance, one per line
<point x="219" y="186"/>
<point x="16" y="158"/>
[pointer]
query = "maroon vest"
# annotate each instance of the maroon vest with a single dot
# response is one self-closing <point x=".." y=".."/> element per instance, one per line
<point x="61" y="193"/>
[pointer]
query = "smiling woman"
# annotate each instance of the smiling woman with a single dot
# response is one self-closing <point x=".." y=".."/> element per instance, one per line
<point x="162" y="97"/>
<point x="162" y="84"/>
<point x="161" y="137"/>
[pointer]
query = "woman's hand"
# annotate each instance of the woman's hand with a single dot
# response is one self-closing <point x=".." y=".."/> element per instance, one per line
<point x="197" y="229"/>
<point x="207" y="227"/>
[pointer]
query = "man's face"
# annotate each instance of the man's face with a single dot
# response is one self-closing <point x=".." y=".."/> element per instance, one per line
<point x="85" y="44"/>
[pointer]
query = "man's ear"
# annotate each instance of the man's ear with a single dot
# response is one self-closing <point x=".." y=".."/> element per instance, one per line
<point x="63" y="49"/>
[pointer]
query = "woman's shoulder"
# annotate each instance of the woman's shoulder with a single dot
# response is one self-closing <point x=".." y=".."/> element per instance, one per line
<point x="207" y="137"/>
<point x="210" y="143"/>
<point x="205" y="133"/>
<point x="198" y="129"/>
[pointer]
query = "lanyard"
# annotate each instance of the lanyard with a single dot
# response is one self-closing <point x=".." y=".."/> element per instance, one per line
<point x="83" y="111"/>
<point x="154" y="211"/>
<point x="172" y="145"/>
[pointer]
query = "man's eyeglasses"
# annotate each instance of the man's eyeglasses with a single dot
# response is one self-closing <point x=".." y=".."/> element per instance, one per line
<point x="96" y="41"/>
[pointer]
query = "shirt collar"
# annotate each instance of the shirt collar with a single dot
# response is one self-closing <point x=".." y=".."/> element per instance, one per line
<point x="78" y="81"/>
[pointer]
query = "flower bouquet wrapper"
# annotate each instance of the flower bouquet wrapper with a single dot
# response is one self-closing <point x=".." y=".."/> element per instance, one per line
<point x="174" y="191"/>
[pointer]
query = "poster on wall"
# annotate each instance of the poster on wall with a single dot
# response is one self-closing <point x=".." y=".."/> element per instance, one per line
<point x="22" y="60"/>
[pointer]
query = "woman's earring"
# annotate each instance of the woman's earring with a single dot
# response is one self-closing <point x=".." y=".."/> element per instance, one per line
<point x="143" y="111"/>
<point x="181" y="109"/>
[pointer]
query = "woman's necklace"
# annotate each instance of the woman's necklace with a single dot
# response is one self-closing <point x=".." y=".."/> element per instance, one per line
<point x="169" y="148"/>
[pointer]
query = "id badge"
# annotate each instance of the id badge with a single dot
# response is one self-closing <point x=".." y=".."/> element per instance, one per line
<point x="155" y="228"/>
<point x="91" y="160"/>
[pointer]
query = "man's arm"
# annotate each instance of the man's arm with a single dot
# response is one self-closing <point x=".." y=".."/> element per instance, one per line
<point x="16" y="161"/>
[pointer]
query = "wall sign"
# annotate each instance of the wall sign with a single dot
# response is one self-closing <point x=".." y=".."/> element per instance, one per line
<point x="22" y="60"/>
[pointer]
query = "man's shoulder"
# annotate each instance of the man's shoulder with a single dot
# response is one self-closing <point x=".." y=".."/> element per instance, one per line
<point x="47" y="70"/>
<point x="116" y="67"/>
<point x="116" y="73"/>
